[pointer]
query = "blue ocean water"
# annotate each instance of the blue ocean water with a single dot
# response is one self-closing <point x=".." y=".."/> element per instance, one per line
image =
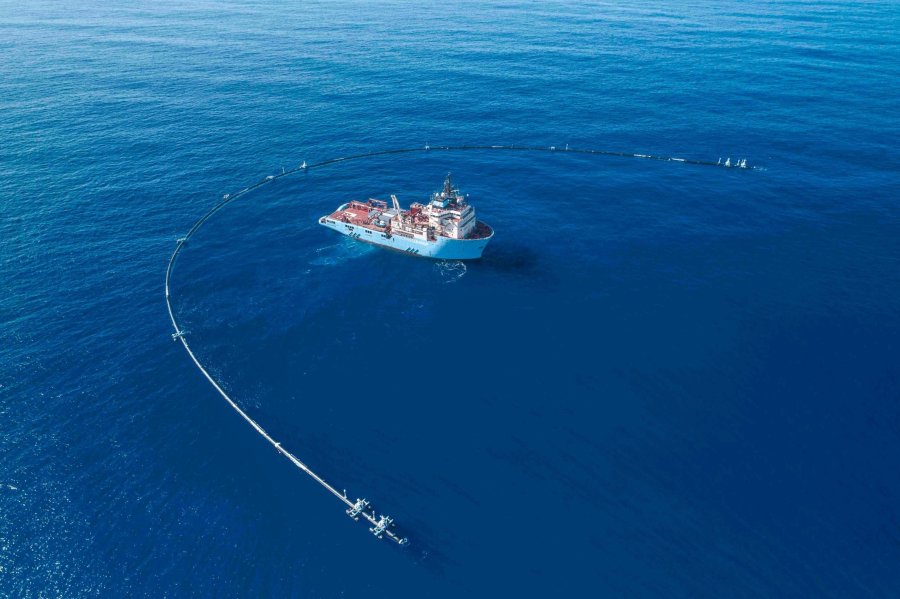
<point x="662" y="380"/>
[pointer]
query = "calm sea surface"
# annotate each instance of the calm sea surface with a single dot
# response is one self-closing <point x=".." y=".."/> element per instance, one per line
<point x="662" y="380"/>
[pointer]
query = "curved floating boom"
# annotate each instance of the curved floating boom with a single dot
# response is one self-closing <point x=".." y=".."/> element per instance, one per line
<point x="380" y="525"/>
<point x="358" y="508"/>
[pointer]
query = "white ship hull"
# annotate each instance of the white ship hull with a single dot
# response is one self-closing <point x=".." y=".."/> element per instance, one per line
<point x="442" y="248"/>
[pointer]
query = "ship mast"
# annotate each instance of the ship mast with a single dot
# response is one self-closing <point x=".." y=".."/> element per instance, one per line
<point x="448" y="186"/>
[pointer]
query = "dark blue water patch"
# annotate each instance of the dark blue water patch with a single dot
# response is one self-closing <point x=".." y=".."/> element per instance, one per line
<point x="587" y="381"/>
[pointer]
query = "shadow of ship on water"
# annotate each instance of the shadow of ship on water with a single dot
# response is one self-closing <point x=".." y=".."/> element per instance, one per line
<point x="510" y="257"/>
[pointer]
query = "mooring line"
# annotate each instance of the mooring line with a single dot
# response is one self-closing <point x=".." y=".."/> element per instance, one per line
<point x="381" y="525"/>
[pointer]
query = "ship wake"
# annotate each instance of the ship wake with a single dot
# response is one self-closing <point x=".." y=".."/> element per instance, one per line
<point x="338" y="253"/>
<point x="450" y="271"/>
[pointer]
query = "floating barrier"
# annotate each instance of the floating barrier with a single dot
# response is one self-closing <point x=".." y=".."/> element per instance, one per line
<point x="381" y="525"/>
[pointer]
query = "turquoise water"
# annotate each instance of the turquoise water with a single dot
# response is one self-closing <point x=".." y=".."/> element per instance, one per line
<point x="661" y="380"/>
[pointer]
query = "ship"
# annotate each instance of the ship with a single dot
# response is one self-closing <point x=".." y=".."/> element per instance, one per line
<point x="445" y="228"/>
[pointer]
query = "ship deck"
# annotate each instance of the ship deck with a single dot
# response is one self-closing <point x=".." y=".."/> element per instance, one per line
<point x="481" y="231"/>
<point x="358" y="214"/>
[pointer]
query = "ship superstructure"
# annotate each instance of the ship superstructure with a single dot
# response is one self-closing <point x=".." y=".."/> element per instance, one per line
<point x="445" y="227"/>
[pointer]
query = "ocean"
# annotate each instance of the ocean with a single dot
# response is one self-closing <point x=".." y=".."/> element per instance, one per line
<point x="661" y="380"/>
